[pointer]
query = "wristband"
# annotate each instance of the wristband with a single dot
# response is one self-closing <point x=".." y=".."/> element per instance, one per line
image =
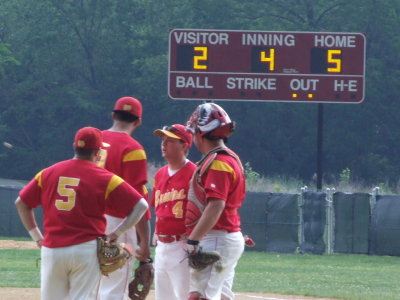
<point x="192" y="242"/>
<point x="119" y="232"/>
<point x="35" y="234"/>
<point x="147" y="261"/>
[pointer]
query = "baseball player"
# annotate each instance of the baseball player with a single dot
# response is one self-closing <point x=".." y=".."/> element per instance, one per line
<point x="125" y="157"/>
<point x="217" y="190"/>
<point x="169" y="197"/>
<point x="74" y="195"/>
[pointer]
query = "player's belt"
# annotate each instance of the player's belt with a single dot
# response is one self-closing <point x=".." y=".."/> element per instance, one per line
<point x="169" y="238"/>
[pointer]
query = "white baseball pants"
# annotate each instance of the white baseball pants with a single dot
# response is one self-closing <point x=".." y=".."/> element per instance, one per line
<point x="115" y="285"/>
<point x="171" y="276"/>
<point x="212" y="283"/>
<point x="71" y="272"/>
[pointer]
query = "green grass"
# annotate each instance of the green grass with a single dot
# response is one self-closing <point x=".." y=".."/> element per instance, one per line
<point x="20" y="268"/>
<point x="360" y="277"/>
<point x="16" y="238"/>
<point x="350" y="277"/>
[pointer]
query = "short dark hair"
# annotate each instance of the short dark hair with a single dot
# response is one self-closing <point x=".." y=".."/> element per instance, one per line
<point x="124" y="116"/>
<point x="85" y="153"/>
<point x="214" y="138"/>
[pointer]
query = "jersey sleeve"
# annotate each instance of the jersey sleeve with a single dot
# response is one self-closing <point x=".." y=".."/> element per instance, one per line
<point x="31" y="193"/>
<point x="120" y="196"/>
<point x="219" y="179"/>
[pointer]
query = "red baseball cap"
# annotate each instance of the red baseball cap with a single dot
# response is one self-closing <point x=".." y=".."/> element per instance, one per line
<point x="130" y="105"/>
<point x="176" y="131"/>
<point x="88" y="138"/>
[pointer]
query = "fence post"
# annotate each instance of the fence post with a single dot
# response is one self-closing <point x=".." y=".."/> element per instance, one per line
<point x="375" y="193"/>
<point x="329" y="220"/>
<point x="301" y="220"/>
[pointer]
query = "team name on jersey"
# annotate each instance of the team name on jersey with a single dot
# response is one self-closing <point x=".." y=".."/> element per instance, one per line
<point x="169" y="196"/>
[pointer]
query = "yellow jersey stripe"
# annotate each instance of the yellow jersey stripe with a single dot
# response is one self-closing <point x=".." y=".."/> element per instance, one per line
<point x="134" y="155"/>
<point x="114" y="182"/>
<point x="223" y="166"/>
<point x="145" y="191"/>
<point x="38" y="178"/>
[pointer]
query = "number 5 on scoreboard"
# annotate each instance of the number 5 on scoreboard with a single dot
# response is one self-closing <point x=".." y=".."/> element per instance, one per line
<point x="337" y="62"/>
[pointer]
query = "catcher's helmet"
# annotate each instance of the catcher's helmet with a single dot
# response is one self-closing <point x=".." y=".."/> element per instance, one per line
<point x="212" y="120"/>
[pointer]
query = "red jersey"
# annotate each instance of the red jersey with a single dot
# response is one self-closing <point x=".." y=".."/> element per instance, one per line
<point x="125" y="157"/>
<point x="225" y="180"/>
<point x="74" y="195"/>
<point x="169" y="198"/>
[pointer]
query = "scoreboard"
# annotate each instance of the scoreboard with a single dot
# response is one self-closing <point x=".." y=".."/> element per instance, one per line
<point x="323" y="67"/>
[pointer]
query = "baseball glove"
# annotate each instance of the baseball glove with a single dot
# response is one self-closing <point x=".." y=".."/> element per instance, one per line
<point x="139" y="287"/>
<point x="248" y="241"/>
<point x="201" y="259"/>
<point x="112" y="255"/>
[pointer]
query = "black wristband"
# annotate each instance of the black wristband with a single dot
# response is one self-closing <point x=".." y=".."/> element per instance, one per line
<point x="192" y="242"/>
<point x="147" y="261"/>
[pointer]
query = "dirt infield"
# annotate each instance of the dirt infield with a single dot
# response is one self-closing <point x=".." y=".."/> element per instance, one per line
<point x="34" y="293"/>
<point x="10" y="244"/>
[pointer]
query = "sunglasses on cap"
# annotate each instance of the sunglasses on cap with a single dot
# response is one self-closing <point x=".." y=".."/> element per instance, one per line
<point x="171" y="129"/>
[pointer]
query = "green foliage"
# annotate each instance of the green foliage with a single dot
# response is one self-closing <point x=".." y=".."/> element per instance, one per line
<point x="64" y="63"/>
<point x="345" y="176"/>
<point x="251" y="176"/>
<point x="6" y="58"/>
<point x="384" y="188"/>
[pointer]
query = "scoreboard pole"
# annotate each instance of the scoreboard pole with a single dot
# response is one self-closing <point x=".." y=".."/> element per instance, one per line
<point x="320" y="138"/>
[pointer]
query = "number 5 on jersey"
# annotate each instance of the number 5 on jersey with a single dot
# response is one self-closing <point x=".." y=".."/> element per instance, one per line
<point x="64" y="190"/>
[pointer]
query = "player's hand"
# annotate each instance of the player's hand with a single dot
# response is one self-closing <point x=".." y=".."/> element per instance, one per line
<point x="192" y="246"/>
<point x="142" y="253"/>
<point x="154" y="240"/>
<point x="112" y="237"/>
<point x="39" y="243"/>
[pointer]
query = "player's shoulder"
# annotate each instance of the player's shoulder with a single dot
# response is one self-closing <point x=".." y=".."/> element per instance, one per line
<point x="190" y="166"/>
<point x="161" y="171"/>
<point x="227" y="163"/>
<point x="58" y="166"/>
<point x="224" y="157"/>
<point x="135" y="143"/>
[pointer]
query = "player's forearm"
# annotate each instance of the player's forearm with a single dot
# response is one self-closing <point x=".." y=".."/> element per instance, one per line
<point x="26" y="214"/>
<point x="143" y="230"/>
<point x="208" y="219"/>
<point x="133" y="218"/>
<point x="28" y="219"/>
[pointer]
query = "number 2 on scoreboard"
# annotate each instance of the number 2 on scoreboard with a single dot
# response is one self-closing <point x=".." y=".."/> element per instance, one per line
<point x="203" y="57"/>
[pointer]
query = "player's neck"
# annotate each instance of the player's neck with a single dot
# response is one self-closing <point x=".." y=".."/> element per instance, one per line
<point x="91" y="158"/>
<point x="177" y="164"/>
<point x="210" y="145"/>
<point x="127" y="128"/>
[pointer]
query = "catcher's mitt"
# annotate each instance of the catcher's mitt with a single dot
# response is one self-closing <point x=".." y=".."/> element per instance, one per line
<point x="112" y="255"/>
<point x="201" y="259"/>
<point x="139" y="287"/>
